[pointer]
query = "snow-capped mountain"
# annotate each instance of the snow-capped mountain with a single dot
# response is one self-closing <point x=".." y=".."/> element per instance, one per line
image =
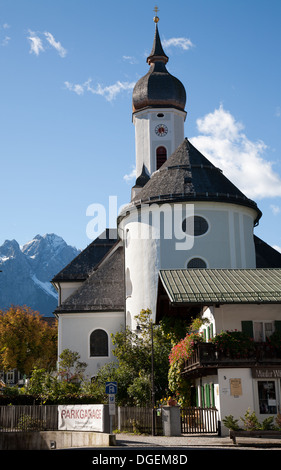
<point x="27" y="271"/>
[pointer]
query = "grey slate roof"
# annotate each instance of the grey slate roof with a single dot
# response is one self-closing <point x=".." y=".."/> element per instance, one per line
<point x="266" y="256"/>
<point x="81" y="266"/>
<point x="103" y="290"/>
<point x="209" y="286"/>
<point x="189" y="176"/>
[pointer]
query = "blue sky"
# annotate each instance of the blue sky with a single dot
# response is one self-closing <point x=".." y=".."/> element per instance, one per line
<point x="67" y="72"/>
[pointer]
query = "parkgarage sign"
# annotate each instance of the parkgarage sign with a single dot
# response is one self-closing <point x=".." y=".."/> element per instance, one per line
<point x="81" y="418"/>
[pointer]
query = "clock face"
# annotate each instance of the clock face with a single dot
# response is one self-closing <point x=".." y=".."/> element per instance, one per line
<point x="161" y="130"/>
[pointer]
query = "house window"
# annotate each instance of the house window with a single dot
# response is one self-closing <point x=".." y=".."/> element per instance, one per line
<point x="10" y="377"/>
<point x="161" y="156"/>
<point x="98" y="343"/>
<point x="196" y="263"/>
<point x="262" y="330"/>
<point x="267" y="397"/>
<point x="196" y="226"/>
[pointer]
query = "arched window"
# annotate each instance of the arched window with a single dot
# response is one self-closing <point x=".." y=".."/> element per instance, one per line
<point x="161" y="157"/>
<point x="196" y="263"/>
<point x="129" y="285"/>
<point x="98" y="343"/>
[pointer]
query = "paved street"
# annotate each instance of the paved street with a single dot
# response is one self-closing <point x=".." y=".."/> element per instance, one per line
<point x="198" y="441"/>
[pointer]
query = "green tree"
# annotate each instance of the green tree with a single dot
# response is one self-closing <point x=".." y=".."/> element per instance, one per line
<point x="70" y="368"/>
<point x="67" y="383"/>
<point x="133" y="350"/>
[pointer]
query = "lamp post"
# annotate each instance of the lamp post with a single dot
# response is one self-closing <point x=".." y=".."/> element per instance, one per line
<point x="152" y="378"/>
<point x="152" y="381"/>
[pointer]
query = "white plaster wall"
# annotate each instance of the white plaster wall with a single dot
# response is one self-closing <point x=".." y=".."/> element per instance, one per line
<point x="229" y="317"/>
<point x="142" y="141"/>
<point x="146" y="251"/>
<point x="232" y="405"/>
<point x="75" y="330"/>
<point x="229" y="241"/>
<point x="142" y="265"/>
<point x="147" y="140"/>
<point x="67" y="288"/>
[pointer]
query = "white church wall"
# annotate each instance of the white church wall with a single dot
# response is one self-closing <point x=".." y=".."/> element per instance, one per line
<point x="142" y="142"/>
<point x="147" y="140"/>
<point x="75" y="330"/>
<point x="228" y="243"/>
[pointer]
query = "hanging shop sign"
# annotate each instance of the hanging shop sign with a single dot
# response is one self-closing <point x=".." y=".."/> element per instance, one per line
<point x="266" y="372"/>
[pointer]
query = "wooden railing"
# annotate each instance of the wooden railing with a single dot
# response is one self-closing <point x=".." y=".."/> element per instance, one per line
<point x="138" y="419"/>
<point x="207" y="355"/>
<point x="198" y="420"/>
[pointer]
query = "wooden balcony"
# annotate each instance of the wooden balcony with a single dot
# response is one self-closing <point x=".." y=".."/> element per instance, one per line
<point x="206" y="359"/>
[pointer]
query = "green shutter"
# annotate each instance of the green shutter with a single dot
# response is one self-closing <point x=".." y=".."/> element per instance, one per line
<point x="277" y="325"/>
<point x="247" y="327"/>
<point x="212" y="330"/>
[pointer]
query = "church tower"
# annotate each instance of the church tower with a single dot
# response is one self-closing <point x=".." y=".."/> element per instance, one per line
<point x="184" y="213"/>
<point x="158" y="114"/>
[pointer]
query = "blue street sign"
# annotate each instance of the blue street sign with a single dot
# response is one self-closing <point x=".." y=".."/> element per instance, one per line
<point x="111" y="388"/>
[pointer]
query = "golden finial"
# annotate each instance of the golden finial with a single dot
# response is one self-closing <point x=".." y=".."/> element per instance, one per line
<point x="156" y="19"/>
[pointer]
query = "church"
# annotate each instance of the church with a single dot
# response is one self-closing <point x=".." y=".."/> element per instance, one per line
<point x="184" y="245"/>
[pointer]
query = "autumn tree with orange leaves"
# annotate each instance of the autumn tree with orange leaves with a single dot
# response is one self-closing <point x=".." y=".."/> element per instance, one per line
<point x="26" y="340"/>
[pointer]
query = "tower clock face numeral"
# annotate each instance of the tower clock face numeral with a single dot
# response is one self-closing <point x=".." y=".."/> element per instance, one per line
<point x="161" y="130"/>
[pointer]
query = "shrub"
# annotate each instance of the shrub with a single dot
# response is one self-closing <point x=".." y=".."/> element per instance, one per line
<point x="267" y="424"/>
<point x="231" y="423"/>
<point x="250" y="421"/>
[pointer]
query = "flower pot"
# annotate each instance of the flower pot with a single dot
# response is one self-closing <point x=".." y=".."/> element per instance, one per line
<point x="172" y="402"/>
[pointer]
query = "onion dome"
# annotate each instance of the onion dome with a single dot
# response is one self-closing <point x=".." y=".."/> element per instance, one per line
<point x="158" y="88"/>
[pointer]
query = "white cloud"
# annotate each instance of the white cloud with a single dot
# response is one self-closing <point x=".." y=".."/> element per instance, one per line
<point x="36" y="45"/>
<point x="223" y="141"/>
<point x="57" y="45"/>
<point x="78" y="89"/>
<point x="276" y="247"/>
<point x="131" y="176"/>
<point x="183" y="43"/>
<point x="275" y="209"/>
<point x="108" y="92"/>
<point x="39" y="42"/>
<point x="5" y="41"/>
<point x="131" y="59"/>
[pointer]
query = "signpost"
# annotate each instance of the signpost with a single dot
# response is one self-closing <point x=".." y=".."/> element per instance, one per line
<point x="111" y="390"/>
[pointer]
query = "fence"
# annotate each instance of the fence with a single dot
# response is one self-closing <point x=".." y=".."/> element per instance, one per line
<point x="138" y="419"/>
<point x="28" y="418"/>
<point x="199" y="420"/>
<point x="131" y="419"/>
